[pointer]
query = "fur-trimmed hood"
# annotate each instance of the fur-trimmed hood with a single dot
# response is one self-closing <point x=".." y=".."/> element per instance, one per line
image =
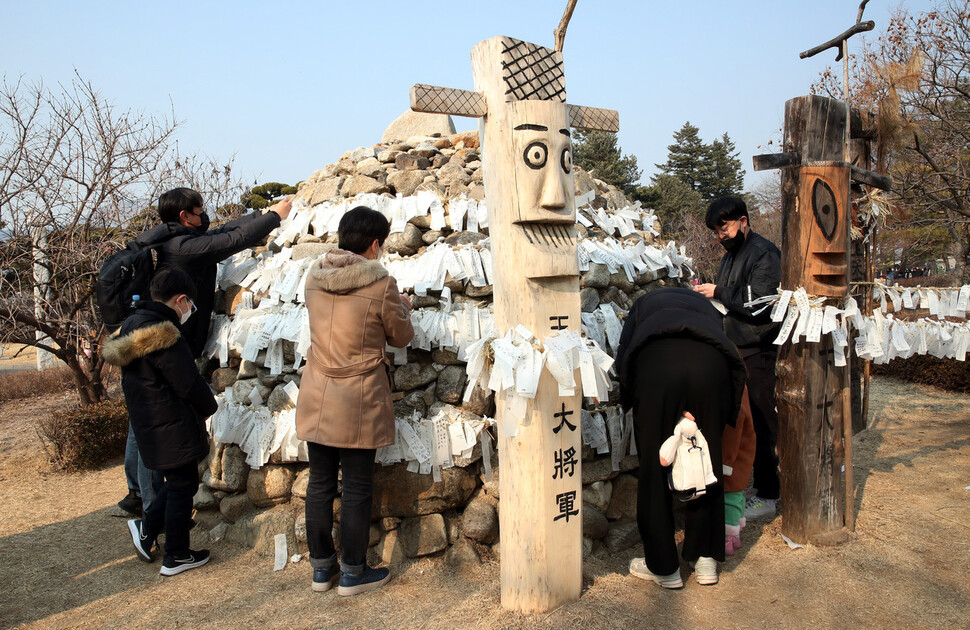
<point x="341" y="271"/>
<point x="121" y="350"/>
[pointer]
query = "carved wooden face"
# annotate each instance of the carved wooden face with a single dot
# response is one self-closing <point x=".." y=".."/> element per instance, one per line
<point x="824" y="228"/>
<point x="542" y="151"/>
<point x="545" y="208"/>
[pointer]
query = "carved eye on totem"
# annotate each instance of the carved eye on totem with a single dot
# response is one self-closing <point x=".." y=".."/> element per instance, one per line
<point x="535" y="155"/>
<point x="825" y="209"/>
<point x="566" y="160"/>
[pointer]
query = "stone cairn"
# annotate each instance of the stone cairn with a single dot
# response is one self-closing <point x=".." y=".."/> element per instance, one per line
<point x="436" y="491"/>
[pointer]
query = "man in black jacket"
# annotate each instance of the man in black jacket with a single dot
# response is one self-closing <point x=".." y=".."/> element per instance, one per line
<point x="190" y="245"/>
<point x="750" y="269"/>
<point x="168" y="401"/>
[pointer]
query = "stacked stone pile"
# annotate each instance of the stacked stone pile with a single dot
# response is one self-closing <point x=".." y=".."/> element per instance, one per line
<point x="436" y="490"/>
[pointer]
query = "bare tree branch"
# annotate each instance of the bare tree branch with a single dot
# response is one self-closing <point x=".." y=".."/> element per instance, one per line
<point x="560" y="32"/>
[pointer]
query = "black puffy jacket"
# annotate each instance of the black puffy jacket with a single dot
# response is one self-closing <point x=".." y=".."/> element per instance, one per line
<point x="674" y="312"/>
<point x="753" y="271"/>
<point x="197" y="253"/>
<point x="167" y="398"/>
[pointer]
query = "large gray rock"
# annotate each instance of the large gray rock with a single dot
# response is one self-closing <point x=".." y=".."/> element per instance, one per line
<point x="451" y="174"/>
<point x="224" y="378"/>
<point x="311" y="250"/>
<point x="451" y="384"/>
<point x="386" y="156"/>
<point x="623" y="504"/>
<point x="406" y="182"/>
<point x="617" y="297"/>
<point x="479" y="521"/>
<point x="204" y="499"/>
<point x="621" y="282"/>
<point x="481" y="403"/>
<point x="425" y="149"/>
<point x="233" y="471"/>
<point x="598" y="470"/>
<point x="270" y="485"/>
<point x="622" y="536"/>
<point x="446" y="357"/>
<point x="408" y="162"/>
<point x="596" y="277"/>
<point x="326" y="190"/>
<point x="423" y="535"/>
<point x="464" y="238"/>
<point x="589" y="299"/>
<point x="260" y="529"/>
<point x="235" y="507"/>
<point x="400" y="493"/>
<point x="412" y="123"/>
<point x="362" y="153"/>
<point x="360" y="184"/>
<point x="413" y="375"/>
<point x="279" y="400"/>
<point x="406" y="243"/>
<point x="595" y="524"/>
<point x="391" y="548"/>
<point x="302" y="481"/>
<point x="598" y="494"/>
<point x="413" y="402"/>
<point x="462" y="553"/>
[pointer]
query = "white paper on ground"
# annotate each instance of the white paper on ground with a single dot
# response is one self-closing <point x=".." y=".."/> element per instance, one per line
<point x="279" y="540"/>
<point x="791" y="544"/>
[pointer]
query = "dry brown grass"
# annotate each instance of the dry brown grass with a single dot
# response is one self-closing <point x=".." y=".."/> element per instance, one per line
<point x="29" y="383"/>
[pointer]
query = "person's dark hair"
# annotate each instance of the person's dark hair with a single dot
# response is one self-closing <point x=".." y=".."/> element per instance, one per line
<point x="173" y="202"/>
<point x="359" y="227"/>
<point x="725" y="209"/>
<point x="170" y="282"/>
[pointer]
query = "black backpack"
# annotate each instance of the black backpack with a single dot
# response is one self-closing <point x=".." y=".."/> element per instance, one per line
<point x="123" y="275"/>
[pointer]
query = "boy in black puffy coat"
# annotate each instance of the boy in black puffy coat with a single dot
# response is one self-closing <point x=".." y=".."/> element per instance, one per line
<point x="168" y="402"/>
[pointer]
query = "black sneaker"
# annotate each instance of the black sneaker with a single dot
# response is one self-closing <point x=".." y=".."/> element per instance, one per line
<point x="173" y="566"/>
<point x="143" y="545"/>
<point x="369" y="580"/>
<point x="323" y="579"/>
<point x="131" y="503"/>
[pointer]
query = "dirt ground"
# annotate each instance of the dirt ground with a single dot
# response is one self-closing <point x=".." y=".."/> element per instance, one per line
<point x="66" y="562"/>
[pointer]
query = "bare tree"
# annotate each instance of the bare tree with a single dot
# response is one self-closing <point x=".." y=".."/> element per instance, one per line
<point x="77" y="176"/>
<point x="916" y="78"/>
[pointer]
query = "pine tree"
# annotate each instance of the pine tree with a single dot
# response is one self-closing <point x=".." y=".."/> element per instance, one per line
<point x="721" y="173"/>
<point x="686" y="156"/>
<point x="598" y="153"/>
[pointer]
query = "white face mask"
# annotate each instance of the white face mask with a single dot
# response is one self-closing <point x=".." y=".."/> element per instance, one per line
<point x="184" y="317"/>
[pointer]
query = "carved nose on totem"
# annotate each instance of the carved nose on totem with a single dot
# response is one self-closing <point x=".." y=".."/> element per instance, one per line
<point x="553" y="195"/>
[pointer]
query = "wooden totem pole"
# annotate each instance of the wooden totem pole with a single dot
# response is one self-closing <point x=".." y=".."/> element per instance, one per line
<point x="526" y="151"/>
<point x="812" y="394"/>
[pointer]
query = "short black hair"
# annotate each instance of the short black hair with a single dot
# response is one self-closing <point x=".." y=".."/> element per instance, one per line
<point x="359" y="227"/>
<point x="169" y="282"/>
<point x="730" y="208"/>
<point x="173" y="202"/>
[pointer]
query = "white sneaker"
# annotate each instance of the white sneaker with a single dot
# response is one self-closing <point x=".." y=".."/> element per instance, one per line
<point x="756" y="508"/>
<point x="705" y="570"/>
<point x="638" y="568"/>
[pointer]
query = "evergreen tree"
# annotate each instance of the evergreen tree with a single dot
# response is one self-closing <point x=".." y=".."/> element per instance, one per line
<point x="721" y="173"/>
<point x="686" y="156"/>
<point x="598" y="153"/>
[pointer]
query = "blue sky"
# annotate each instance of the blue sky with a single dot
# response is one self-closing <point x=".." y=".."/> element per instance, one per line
<point x="287" y="87"/>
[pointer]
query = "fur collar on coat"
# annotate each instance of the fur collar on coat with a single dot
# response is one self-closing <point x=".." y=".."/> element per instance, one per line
<point x="341" y="271"/>
<point x="122" y="350"/>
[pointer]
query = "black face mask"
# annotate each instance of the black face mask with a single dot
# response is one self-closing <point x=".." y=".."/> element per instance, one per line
<point x="734" y="243"/>
<point x="204" y="222"/>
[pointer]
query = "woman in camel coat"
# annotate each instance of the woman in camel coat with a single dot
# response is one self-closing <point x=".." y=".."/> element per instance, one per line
<point x="345" y="410"/>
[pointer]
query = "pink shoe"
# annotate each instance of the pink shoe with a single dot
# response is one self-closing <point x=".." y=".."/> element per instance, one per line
<point x="736" y="542"/>
<point x="728" y="546"/>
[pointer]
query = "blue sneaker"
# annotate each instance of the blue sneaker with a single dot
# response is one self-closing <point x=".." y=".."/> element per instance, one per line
<point x="323" y="580"/>
<point x="369" y="580"/>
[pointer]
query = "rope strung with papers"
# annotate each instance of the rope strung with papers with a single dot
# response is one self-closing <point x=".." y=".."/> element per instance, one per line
<point x="882" y="336"/>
